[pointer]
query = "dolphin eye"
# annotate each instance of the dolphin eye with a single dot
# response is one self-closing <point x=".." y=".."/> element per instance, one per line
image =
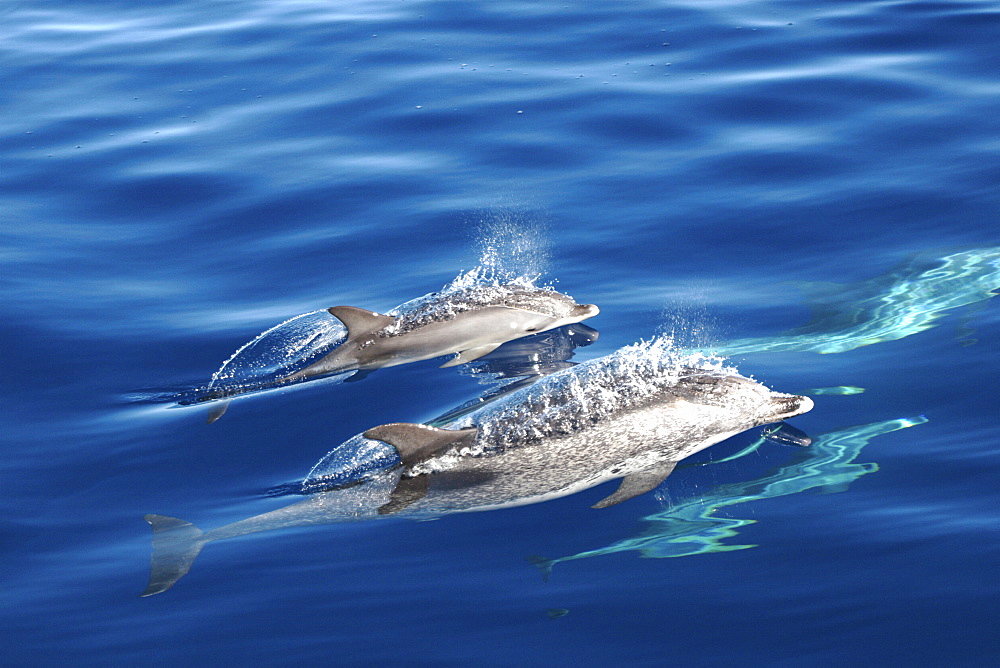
<point x="531" y="329"/>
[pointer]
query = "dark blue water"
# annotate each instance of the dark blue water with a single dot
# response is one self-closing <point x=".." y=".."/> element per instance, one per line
<point x="810" y="188"/>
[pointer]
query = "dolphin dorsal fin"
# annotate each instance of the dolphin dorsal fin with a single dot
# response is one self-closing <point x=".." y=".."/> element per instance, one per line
<point x="417" y="442"/>
<point x="359" y="321"/>
<point x="638" y="483"/>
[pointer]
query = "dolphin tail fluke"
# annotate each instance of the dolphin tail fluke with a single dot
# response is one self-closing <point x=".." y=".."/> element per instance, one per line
<point x="544" y="565"/>
<point x="176" y="543"/>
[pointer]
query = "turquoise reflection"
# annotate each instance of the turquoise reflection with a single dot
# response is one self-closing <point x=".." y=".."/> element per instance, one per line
<point x="690" y="527"/>
<point x="840" y="390"/>
<point x="899" y="304"/>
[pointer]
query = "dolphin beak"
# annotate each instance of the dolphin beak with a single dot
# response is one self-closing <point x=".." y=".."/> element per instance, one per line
<point x="789" y="406"/>
<point x="584" y="311"/>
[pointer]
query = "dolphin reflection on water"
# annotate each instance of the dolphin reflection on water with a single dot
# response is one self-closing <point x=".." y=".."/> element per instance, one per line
<point x="694" y="526"/>
<point x="630" y="415"/>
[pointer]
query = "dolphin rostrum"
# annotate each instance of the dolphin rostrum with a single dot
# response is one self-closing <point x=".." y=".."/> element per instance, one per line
<point x="471" y="321"/>
<point x="632" y="415"/>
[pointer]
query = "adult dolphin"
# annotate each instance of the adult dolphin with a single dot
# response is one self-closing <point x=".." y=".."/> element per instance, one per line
<point x="629" y="415"/>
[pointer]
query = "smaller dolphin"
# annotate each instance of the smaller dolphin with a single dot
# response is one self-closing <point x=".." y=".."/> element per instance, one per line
<point x="470" y="321"/>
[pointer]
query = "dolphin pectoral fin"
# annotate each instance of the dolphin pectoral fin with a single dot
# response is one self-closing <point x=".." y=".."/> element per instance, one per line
<point x="638" y="483"/>
<point x="358" y="321"/>
<point x="359" y="375"/>
<point x="176" y="544"/>
<point x="217" y="412"/>
<point x="417" y="442"/>
<point x="408" y="491"/>
<point x="470" y="355"/>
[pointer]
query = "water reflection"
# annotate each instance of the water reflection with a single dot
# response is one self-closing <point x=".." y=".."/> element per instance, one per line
<point x="901" y="303"/>
<point x="692" y="527"/>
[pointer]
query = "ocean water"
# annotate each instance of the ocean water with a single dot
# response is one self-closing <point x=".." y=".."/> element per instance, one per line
<point x="808" y="189"/>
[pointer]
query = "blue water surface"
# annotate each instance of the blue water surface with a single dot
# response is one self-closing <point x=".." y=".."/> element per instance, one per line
<point x="810" y="188"/>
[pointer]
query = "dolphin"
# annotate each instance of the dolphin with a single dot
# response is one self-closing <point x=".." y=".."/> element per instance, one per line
<point x="631" y="415"/>
<point x="471" y="322"/>
<point x="576" y="429"/>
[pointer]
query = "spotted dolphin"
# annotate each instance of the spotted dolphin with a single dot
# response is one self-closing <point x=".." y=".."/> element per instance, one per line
<point x="471" y="322"/>
<point x="631" y="415"/>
